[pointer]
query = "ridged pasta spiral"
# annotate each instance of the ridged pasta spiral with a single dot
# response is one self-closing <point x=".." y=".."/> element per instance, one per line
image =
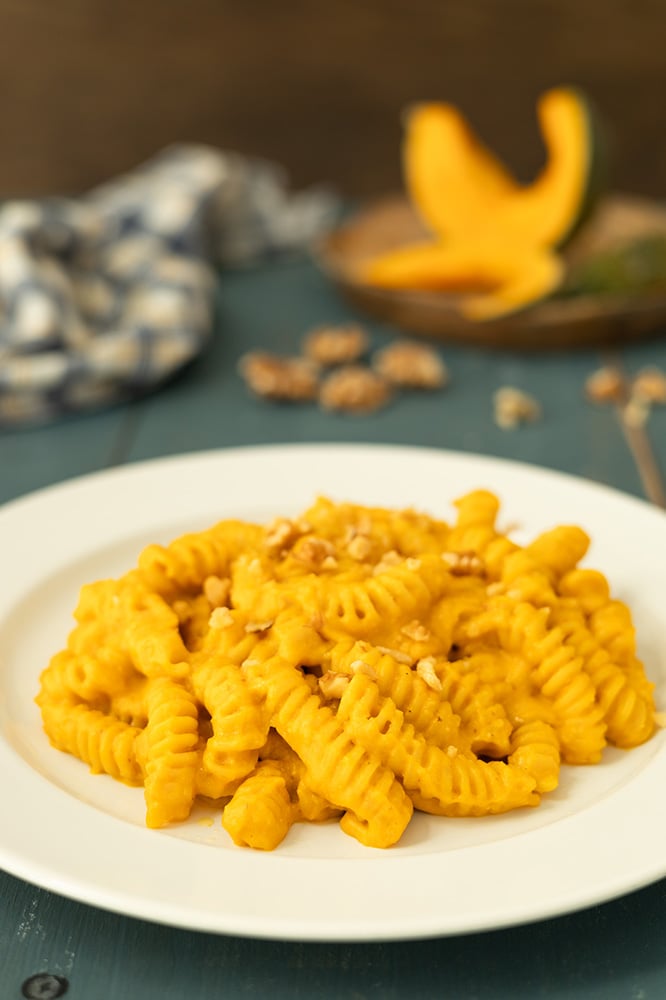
<point x="171" y="754"/>
<point x="423" y="706"/>
<point x="557" y="672"/>
<point x="105" y="744"/>
<point x="239" y="724"/>
<point x="377" y="809"/>
<point x="260" y="812"/>
<point x="628" y="712"/>
<point x="186" y="562"/>
<point x="438" y="781"/>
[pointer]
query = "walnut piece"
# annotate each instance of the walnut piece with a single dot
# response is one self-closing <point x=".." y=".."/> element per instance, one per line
<point x="315" y="553"/>
<point x="397" y="655"/>
<point x="390" y="559"/>
<point x="221" y="618"/>
<point x="605" y="385"/>
<point x="514" y="407"/>
<point x="416" y="631"/>
<point x="354" y="389"/>
<point x="273" y="377"/>
<point x="415" y="366"/>
<point x="259" y="626"/>
<point x="359" y="547"/>
<point x="361" y="667"/>
<point x="333" y="685"/>
<point x="650" y="385"/>
<point x="280" y="533"/>
<point x="216" y="590"/>
<point x="425" y="668"/>
<point x="335" y="345"/>
<point x="465" y="563"/>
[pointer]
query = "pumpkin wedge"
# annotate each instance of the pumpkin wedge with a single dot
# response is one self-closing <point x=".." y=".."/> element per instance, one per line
<point x="550" y="210"/>
<point x="453" y="181"/>
<point x="494" y="240"/>
<point x="487" y="281"/>
<point x="462" y="190"/>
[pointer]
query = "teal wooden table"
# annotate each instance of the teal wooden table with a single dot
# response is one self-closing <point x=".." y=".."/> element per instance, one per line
<point x="615" y="950"/>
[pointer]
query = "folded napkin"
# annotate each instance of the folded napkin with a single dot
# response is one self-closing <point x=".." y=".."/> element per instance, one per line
<point x="103" y="297"/>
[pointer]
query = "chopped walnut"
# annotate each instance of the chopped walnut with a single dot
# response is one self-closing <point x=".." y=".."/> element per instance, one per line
<point x="416" y="631"/>
<point x="216" y="590"/>
<point x="359" y="547"/>
<point x="221" y="618"/>
<point x="513" y="407"/>
<point x="397" y="654"/>
<point x="259" y="626"/>
<point x="250" y="661"/>
<point x="361" y="667"/>
<point x="280" y="533"/>
<point x="425" y="668"/>
<point x="388" y="561"/>
<point x="335" y="345"/>
<point x="354" y="389"/>
<point x="465" y="563"/>
<point x="650" y="385"/>
<point x="413" y="365"/>
<point x="274" y="377"/>
<point x="333" y="685"/>
<point x="315" y="553"/>
<point x="605" y="385"/>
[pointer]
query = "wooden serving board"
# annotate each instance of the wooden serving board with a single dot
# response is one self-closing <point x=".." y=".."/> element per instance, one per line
<point x="583" y="321"/>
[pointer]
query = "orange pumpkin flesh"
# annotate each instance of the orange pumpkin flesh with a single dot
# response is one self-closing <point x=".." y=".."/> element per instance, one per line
<point x="546" y="212"/>
<point x="452" y="179"/>
<point x="493" y="238"/>
<point x="487" y="282"/>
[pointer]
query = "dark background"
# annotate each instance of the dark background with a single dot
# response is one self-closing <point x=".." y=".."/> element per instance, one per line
<point x="91" y="87"/>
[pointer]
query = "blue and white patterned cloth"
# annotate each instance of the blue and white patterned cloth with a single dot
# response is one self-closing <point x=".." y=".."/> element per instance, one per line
<point x="104" y="297"/>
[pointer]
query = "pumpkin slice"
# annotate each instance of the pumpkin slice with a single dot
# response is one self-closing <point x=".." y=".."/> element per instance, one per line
<point x="452" y="179"/>
<point x="486" y="281"/>
<point x="462" y="191"/>
<point x="551" y="209"/>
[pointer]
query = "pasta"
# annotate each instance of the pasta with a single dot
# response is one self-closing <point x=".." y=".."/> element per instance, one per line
<point x="354" y="664"/>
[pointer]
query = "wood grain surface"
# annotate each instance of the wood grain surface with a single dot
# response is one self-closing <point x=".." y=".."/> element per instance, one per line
<point x="91" y="87"/>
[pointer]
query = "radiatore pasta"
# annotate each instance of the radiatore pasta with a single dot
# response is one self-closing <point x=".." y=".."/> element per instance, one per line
<point x="355" y="664"/>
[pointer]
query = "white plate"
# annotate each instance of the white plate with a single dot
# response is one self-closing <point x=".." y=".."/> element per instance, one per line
<point x="600" y="835"/>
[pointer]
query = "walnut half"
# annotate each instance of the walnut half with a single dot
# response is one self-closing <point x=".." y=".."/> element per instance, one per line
<point x="412" y="365"/>
<point x="354" y="389"/>
<point x="273" y="377"/>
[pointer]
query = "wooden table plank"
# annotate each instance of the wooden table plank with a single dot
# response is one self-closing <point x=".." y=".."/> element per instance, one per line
<point x="612" y="952"/>
<point x="33" y="458"/>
